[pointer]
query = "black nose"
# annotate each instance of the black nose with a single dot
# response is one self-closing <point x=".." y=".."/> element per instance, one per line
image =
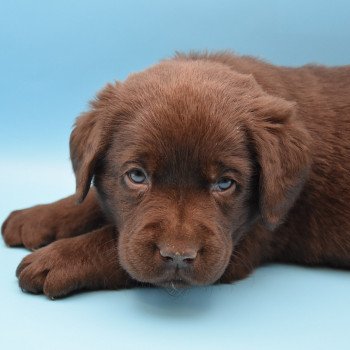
<point x="179" y="258"/>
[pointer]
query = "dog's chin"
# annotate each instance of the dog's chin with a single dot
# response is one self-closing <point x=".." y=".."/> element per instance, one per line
<point x="173" y="284"/>
<point x="178" y="281"/>
<point x="173" y="280"/>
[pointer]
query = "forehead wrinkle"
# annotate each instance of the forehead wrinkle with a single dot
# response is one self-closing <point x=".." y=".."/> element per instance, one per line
<point x="179" y="136"/>
<point x="180" y="151"/>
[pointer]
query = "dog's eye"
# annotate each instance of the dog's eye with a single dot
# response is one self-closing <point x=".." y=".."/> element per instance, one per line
<point x="137" y="176"/>
<point x="223" y="184"/>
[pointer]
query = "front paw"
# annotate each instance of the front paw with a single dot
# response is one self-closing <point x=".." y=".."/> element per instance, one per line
<point x="55" y="270"/>
<point x="32" y="228"/>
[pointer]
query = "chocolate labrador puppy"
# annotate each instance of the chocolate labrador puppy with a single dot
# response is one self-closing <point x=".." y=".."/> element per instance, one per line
<point x="204" y="166"/>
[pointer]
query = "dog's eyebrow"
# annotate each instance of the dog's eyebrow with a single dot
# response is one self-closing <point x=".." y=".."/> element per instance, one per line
<point x="228" y="167"/>
<point x="138" y="160"/>
<point x="234" y="165"/>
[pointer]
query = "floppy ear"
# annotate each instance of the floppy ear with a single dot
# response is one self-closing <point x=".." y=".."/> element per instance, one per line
<point x="281" y="144"/>
<point x="88" y="141"/>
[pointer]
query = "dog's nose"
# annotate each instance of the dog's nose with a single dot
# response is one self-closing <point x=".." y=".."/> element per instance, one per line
<point x="179" y="258"/>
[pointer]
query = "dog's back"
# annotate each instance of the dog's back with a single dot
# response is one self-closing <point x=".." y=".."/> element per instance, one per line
<point x="320" y="219"/>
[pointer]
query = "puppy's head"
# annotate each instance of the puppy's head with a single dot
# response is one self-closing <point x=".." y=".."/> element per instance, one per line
<point x="186" y="156"/>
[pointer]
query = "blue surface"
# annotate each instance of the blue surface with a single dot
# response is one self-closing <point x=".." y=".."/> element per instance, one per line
<point x="54" y="56"/>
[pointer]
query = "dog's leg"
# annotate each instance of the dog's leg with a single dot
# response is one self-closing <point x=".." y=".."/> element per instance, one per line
<point x="85" y="262"/>
<point x="40" y="225"/>
<point x="330" y="249"/>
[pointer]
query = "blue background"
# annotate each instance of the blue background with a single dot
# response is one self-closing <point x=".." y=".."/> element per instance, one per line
<point x="54" y="55"/>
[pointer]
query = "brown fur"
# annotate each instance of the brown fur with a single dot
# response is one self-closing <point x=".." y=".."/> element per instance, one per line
<point x="282" y="135"/>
